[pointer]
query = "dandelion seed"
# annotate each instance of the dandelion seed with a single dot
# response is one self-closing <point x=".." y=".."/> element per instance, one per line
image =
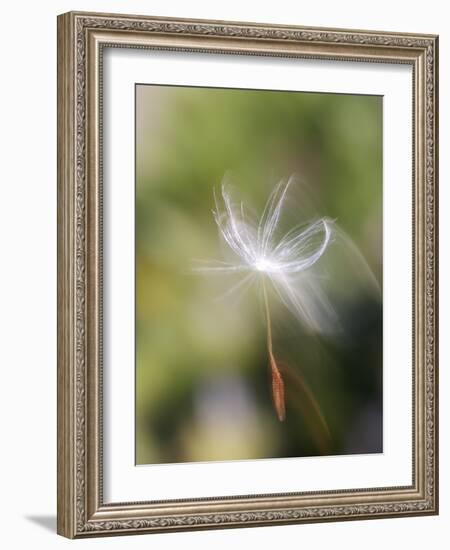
<point x="282" y="261"/>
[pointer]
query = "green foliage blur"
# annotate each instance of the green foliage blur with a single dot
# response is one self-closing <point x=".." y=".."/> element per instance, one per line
<point x="202" y="376"/>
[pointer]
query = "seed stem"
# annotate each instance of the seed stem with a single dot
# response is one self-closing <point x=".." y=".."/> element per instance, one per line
<point x="277" y="379"/>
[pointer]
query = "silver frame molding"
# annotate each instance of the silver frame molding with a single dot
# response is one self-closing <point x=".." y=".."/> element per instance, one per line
<point x="81" y="39"/>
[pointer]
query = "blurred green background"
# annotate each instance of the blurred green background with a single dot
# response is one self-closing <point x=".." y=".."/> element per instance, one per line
<point x="202" y="378"/>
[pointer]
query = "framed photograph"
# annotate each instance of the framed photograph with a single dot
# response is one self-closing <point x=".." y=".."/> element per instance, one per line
<point x="247" y="274"/>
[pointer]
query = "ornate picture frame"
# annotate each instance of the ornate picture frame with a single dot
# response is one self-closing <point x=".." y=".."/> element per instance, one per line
<point x="82" y="40"/>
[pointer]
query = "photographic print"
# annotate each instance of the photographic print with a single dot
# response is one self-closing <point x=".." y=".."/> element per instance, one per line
<point x="247" y="274"/>
<point x="258" y="246"/>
